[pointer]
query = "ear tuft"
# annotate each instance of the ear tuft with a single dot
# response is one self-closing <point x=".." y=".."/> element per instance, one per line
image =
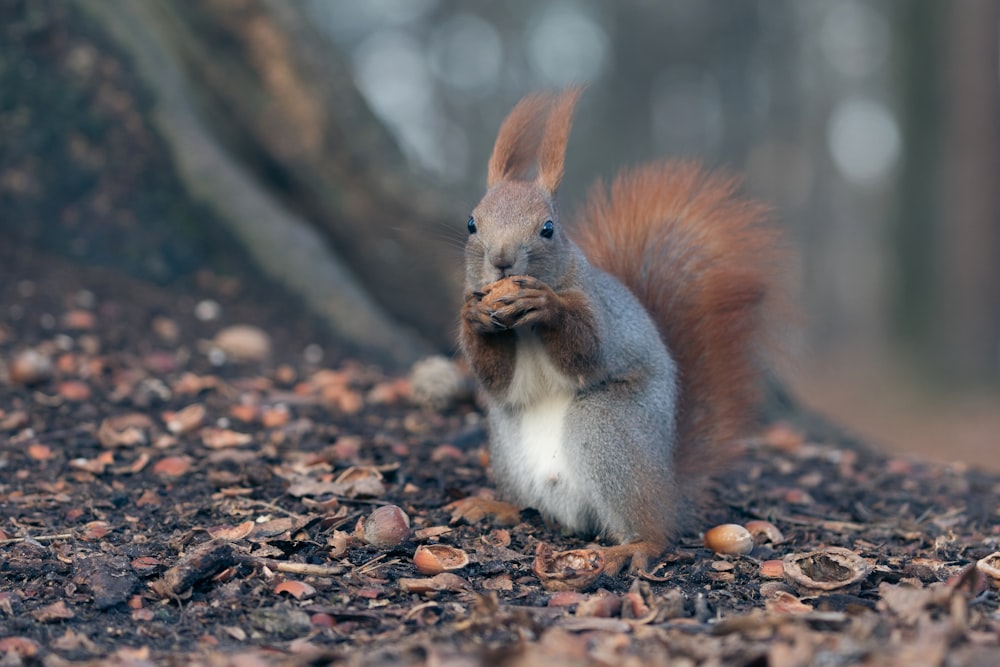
<point x="517" y="141"/>
<point x="552" y="151"/>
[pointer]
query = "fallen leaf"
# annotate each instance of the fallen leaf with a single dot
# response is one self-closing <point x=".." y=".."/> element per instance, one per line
<point x="222" y="438"/>
<point x="74" y="390"/>
<point x="297" y="589"/>
<point x="74" y="641"/>
<point x="446" y="581"/>
<point x="57" y="611"/>
<point x="501" y="582"/>
<point x="186" y="420"/>
<point x="94" y="530"/>
<point x="125" y="430"/>
<point x="40" y="452"/>
<point x="473" y="510"/>
<point x="783" y="602"/>
<point x="21" y="646"/>
<point x="172" y="466"/>
<point x="360" y="482"/>
<point x="232" y="533"/>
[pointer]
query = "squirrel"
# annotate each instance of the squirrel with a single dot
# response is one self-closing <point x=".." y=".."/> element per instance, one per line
<point x="617" y="357"/>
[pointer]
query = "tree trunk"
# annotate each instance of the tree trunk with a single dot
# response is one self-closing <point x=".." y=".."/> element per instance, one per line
<point x="267" y="126"/>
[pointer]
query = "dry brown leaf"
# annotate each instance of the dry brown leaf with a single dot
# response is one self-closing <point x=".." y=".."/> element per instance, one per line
<point x="232" y="533"/>
<point x="19" y="646"/>
<point x="173" y="466"/>
<point x="40" y="452"/>
<point x="185" y="420"/>
<point x="223" y="438"/>
<point x="145" y="565"/>
<point x="360" y="482"/>
<point x="446" y="581"/>
<point x="94" y="530"/>
<point x="602" y="604"/>
<point x="274" y="528"/>
<point x="276" y="416"/>
<point x="125" y="430"/>
<point x="473" y="510"/>
<point x="783" y="602"/>
<point x="431" y="532"/>
<point x="501" y="582"/>
<point x="149" y="498"/>
<point x="74" y="641"/>
<point x="297" y="589"/>
<point x="74" y="390"/>
<point x="57" y="611"/>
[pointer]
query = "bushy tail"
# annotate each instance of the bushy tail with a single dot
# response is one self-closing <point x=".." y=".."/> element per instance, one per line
<point x="699" y="259"/>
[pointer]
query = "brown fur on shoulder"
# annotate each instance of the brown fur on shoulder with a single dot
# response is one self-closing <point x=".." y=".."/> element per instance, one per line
<point x="699" y="260"/>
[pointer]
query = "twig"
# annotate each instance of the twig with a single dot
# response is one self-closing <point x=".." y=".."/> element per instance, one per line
<point x="271" y="506"/>
<point x="295" y="568"/>
<point x="40" y="538"/>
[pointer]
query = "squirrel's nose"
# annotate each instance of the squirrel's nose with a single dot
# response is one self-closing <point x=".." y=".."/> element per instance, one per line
<point x="501" y="262"/>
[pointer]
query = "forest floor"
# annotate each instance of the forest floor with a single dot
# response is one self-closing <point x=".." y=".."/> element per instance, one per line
<point x="175" y="491"/>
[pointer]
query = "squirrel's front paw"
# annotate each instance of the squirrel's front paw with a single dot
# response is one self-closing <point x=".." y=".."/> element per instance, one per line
<point x="478" y="316"/>
<point x="520" y="301"/>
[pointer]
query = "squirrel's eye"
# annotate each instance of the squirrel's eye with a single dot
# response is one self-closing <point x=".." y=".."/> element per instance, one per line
<point x="472" y="226"/>
<point x="547" y="229"/>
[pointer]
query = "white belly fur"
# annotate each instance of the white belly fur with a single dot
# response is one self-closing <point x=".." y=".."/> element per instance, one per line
<point x="541" y="396"/>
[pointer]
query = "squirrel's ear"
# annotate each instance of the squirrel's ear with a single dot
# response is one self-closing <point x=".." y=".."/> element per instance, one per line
<point x="517" y="141"/>
<point x="552" y="152"/>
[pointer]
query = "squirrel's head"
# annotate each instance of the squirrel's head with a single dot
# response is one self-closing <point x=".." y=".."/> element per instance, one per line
<point x="515" y="230"/>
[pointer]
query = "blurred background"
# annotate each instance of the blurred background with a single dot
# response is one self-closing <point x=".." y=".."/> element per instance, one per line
<point x="871" y="127"/>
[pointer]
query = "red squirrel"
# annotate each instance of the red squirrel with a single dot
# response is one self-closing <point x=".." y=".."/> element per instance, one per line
<point x="617" y="355"/>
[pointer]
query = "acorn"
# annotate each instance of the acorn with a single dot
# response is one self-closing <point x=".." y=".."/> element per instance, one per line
<point x="438" y="558"/>
<point x="729" y="538"/>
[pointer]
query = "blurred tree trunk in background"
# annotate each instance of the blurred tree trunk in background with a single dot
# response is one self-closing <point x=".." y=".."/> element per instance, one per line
<point x="968" y="329"/>
<point x="948" y="229"/>
<point x="278" y="104"/>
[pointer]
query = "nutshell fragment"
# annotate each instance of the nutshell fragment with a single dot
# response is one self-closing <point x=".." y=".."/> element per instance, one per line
<point x="573" y="570"/>
<point x="825" y="569"/>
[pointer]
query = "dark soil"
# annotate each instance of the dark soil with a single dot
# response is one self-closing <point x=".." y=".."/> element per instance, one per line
<point x="131" y="534"/>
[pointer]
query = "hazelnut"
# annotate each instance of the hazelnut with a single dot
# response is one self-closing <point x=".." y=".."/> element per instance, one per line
<point x="990" y="566"/>
<point x="573" y="570"/>
<point x="765" y="530"/>
<point x="386" y="527"/>
<point x="30" y="367"/>
<point x="729" y="538"/>
<point x="437" y="558"/>
<point x="498" y="290"/>
<point x="825" y="569"/>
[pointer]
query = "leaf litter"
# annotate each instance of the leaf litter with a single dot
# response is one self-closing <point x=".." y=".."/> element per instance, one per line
<point x="264" y="509"/>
